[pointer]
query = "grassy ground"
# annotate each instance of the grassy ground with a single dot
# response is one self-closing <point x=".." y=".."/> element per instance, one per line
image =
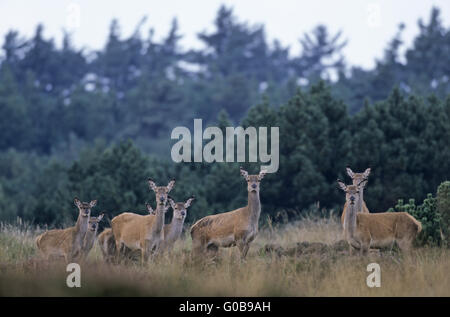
<point x="304" y="258"/>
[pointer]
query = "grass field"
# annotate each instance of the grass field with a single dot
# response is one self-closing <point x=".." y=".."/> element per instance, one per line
<point x="302" y="258"/>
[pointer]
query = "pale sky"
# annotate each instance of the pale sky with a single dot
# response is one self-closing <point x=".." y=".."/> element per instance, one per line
<point x="368" y="25"/>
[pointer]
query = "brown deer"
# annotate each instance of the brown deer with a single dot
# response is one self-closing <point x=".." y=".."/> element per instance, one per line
<point x="234" y="228"/>
<point x="107" y="242"/>
<point x="173" y="230"/>
<point x="67" y="242"/>
<point x="356" y="179"/>
<point x="138" y="232"/>
<point x="376" y="230"/>
<point x="91" y="234"/>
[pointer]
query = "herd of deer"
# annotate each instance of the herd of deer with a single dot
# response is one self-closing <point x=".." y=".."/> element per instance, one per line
<point x="148" y="234"/>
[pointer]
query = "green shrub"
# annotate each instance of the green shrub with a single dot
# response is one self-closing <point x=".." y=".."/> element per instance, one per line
<point x="428" y="215"/>
<point x="443" y="207"/>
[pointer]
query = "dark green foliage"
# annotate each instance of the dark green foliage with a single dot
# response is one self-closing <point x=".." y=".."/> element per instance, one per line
<point x="443" y="206"/>
<point x="428" y="213"/>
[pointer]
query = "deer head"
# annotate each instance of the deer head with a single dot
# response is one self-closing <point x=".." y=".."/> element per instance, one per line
<point x="180" y="208"/>
<point x="161" y="192"/>
<point x="352" y="191"/>
<point x="93" y="222"/>
<point x="358" y="177"/>
<point x="83" y="207"/>
<point x="252" y="180"/>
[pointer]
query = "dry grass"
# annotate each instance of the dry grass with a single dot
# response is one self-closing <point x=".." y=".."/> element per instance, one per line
<point x="319" y="270"/>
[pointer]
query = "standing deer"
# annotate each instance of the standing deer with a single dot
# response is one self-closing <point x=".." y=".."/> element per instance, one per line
<point x="91" y="234"/>
<point x="377" y="230"/>
<point x="138" y="232"/>
<point x="67" y="242"/>
<point x="234" y="228"/>
<point x="172" y="231"/>
<point x="107" y="242"/>
<point x="356" y="179"/>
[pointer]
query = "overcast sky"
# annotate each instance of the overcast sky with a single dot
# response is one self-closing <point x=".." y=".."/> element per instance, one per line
<point x="368" y="25"/>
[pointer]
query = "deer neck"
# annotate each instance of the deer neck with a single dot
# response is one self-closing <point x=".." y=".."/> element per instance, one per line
<point x="89" y="238"/>
<point x="350" y="220"/>
<point x="82" y="224"/>
<point x="360" y="202"/>
<point x="159" y="224"/>
<point x="254" y="207"/>
<point x="176" y="226"/>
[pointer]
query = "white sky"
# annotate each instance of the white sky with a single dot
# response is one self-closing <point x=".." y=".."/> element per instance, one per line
<point x="368" y="25"/>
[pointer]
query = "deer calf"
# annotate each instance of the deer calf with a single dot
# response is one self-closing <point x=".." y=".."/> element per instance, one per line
<point x="138" y="232"/>
<point x="356" y="179"/>
<point x="173" y="230"/>
<point x="67" y="242"/>
<point x="234" y="228"/>
<point x="376" y="230"/>
<point x="91" y="234"/>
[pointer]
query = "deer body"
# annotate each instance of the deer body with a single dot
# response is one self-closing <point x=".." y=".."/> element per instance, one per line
<point x="138" y="232"/>
<point x="66" y="242"/>
<point x="363" y="230"/>
<point x="234" y="228"/>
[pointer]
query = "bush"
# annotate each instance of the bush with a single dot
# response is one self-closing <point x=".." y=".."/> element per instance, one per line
<point x="443" y="207"/>
<point x="428" y="215"/>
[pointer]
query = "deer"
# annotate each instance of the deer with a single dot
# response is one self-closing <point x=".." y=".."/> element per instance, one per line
<point x="91" y="234"/>
<point x="376" y="230"/>
<point x="234" y="228"/>
<point x="139" y="232"/>
<point x="107" y="243"/>
<point x="173" y="230"/>
<point x="67" y="242"/>
<point x="356" y="179"/>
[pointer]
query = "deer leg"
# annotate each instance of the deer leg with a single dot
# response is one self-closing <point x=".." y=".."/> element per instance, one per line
<point x="145" y="252"/>
<point x="197" y="248"/>
<point x="212" y="250"/>
<point x="404" y="245"/>
<point x="243" y="248"/>
<point x="119" y="246"/>
<point x="144" y="256"/>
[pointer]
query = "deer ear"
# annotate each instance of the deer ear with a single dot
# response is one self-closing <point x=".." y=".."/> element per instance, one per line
<point x="244" y="173"/>
<point x="170" y="185"/>
<point x="342" y="185"/>
<point x="367" y="172"/>
<point x="77" y="202"/>
<point x="189" y="202"/>
<point x="261" y="174"/>
<point x="149" y="208"/>
<point x="151" y="184"/>
<point x="93" y="203"/>
<point x="362" y="183"/>
<point x="171" y="202"/>
<point x="99" y="218"/>
<point x="350" y="172"/>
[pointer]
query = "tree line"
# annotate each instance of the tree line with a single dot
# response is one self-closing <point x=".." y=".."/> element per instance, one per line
<point x="404" y="139"/>
<point x="54" y="98"/>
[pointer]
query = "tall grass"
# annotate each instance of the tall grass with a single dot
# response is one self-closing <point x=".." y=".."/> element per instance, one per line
<point x="320" y="272"/>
